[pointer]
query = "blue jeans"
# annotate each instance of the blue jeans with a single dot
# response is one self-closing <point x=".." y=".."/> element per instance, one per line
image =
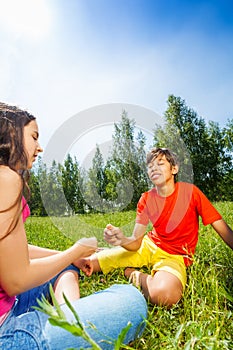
<point x="27" y="300"/>
<point x="108" y="310"/>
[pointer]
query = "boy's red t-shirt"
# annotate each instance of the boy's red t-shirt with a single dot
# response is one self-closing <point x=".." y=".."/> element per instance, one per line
<point x="175" y="218"/>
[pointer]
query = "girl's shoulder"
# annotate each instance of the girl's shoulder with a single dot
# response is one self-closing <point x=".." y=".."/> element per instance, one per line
<point x="10" y="186"/>
<point x="9" y="176"/>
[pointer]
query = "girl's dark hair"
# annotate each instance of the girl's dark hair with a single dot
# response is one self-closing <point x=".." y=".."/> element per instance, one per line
<point x="12" y="153"/>
<point x="169" y="155"/>
<point x="12" y="123"/>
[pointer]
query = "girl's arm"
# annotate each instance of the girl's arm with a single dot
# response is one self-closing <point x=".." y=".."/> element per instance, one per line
<point x="18" y="272"/>
<point x="39" y="252"/>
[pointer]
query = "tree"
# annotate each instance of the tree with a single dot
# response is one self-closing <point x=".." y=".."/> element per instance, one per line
<point x="35" y="200"/>
<point x="143" y="180"/>
<point x="201" y="147"/>
<point x="72" y="183"/>
<point x="52" y="193"/>
<point x="95" y="184"/>
<point x="126" y="167"/>
<point x="227" y="180"/>
<point x="204" y="150"/>
<point x="170" y="135"/>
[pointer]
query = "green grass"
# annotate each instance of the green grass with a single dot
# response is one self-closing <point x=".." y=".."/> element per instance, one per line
<point x="203" y="319"/>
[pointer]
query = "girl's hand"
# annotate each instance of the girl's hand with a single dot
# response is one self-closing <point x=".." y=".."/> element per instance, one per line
<point x="89" y="245"/>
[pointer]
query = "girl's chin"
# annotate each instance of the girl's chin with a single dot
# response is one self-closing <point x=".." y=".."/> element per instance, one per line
<point x="30" y="164"/>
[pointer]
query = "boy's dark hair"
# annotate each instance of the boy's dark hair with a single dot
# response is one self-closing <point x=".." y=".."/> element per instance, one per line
<point x="155" y="152"/>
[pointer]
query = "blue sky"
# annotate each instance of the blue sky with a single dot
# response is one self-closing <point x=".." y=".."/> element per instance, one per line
<point x="58" y="58"/>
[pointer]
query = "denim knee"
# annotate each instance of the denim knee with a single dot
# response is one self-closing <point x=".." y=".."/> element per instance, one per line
<point x="104" y="315"/>
<point x="23" y="332"/>
<point x="109" y="311"/>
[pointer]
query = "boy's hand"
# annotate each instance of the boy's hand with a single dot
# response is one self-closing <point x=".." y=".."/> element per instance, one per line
<point x="113" y="235"/>
<point x="85" y="265"/>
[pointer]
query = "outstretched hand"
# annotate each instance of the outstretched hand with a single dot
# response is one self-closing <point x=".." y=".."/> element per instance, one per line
<point x="89" y="244"/>
<point x="113" y="235"/>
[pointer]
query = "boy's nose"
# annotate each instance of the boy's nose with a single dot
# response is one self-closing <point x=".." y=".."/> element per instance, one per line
<point x="154" y="166"/>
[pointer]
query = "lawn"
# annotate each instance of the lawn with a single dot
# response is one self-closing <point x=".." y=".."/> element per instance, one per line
<point x="203" y="319"/>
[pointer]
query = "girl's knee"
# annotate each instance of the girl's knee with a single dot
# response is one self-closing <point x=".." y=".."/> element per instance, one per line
<point x="68" y="284"/>
<point x="67" y="276"/>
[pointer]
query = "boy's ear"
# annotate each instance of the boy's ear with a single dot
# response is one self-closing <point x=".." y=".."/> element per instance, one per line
<point x="175" y="169"/>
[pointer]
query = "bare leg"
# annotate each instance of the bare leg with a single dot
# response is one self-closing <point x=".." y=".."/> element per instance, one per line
<point x="163" y="289"/>
<point x="68" y="284"/>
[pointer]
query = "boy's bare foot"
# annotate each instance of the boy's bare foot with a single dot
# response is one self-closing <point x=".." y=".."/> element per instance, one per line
<point x="128" y="271"/>
<point x="133" y="275"/>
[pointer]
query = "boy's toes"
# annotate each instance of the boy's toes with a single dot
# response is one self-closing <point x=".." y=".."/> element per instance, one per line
<point x="133" y="275"/>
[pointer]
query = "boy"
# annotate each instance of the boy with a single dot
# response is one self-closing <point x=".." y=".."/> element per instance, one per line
<point x="173" y="208"/>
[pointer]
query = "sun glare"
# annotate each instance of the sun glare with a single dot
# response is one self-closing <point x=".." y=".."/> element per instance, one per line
<point x="27" y="18"/>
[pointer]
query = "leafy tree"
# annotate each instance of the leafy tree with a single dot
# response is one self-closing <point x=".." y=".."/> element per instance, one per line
<point x="200" y="147"/>
<point x="71" y="183"/>
<point x="35" y="200"/>
<point x="143" y="180"/>
<point x="51" y="189"/>
<point x="170" y="135"/>
<point x="204" y="150"/>
<point x="228" y="137"/>
<point x="227" y="180"/>
<point x="126" y="167"/>
<point x="95" y="184"/>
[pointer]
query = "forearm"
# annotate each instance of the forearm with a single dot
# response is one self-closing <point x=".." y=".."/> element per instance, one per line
<point x="134" y="242"/>
<point x="44" y="268"/>
<point x="224" y="231"/>
<point x="39" y="270"/>
<point x="228" y="238"/>
<point x="131" y="243"/>
<point x="39" y="252"/>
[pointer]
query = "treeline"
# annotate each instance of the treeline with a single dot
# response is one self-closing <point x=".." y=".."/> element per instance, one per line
<point x="205" y="151"/>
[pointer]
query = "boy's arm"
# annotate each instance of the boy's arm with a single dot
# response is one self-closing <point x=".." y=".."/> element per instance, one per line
<point x="113" y="235"/>
<point x="224" y="231"/>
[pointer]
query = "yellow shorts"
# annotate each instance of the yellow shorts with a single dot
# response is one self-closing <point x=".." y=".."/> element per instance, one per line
<point x="148" y="255"/>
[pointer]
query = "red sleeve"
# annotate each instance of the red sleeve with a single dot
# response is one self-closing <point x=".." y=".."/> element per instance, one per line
<point x="206" y="210"/>
<point x="142" y="216"/>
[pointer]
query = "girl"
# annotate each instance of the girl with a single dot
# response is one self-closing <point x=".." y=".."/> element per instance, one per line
<point x="26" y="271"/>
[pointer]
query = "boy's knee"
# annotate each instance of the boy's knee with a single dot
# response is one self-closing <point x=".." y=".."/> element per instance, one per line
<point x="162" y="296"/>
